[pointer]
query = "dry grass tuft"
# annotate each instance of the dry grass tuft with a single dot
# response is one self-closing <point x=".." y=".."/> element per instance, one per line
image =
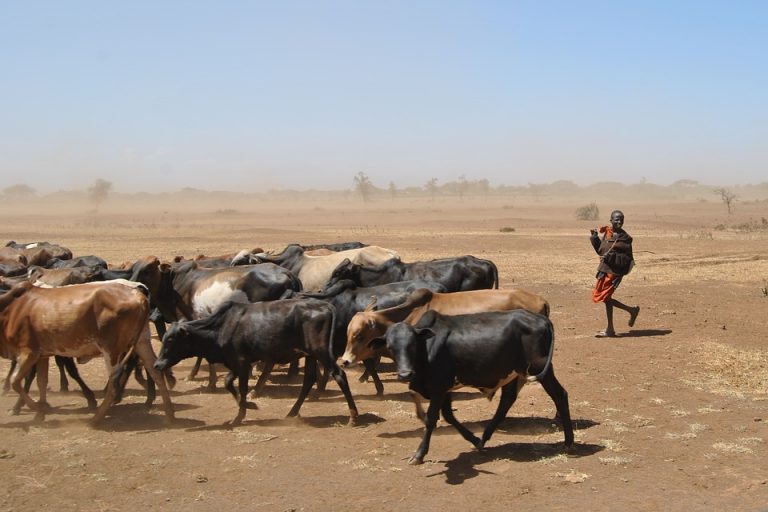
<point x="731" y="371"/>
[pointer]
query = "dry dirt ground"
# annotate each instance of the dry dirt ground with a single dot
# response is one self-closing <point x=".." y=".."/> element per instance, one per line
<point x="672" y="415"/>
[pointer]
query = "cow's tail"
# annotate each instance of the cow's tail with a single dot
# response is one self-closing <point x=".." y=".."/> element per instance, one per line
<point x="548" y="365"/>
<point x="331" y="344"/>
<point x="495" y="272"/>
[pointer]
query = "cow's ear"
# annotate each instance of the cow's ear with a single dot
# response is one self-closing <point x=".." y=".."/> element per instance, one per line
<point x="371" y="305"/>
<point x="165" y="267"/>
<point x="425" y="334"/>
<point x="377" y="344"/>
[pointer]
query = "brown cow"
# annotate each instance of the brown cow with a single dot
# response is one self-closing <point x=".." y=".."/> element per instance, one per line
<point x="85" y="320"/>
<point x="369" y="325"/>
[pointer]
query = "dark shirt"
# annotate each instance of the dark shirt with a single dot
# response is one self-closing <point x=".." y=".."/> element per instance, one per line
<point x="620" y="244"/>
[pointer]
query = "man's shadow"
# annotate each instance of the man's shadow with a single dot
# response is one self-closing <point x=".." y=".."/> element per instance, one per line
<point x="641" y="333"/>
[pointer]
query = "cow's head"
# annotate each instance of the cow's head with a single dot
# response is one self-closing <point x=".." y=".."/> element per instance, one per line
<point x="364" y="327"/>
<point x="345" y="270"/>
<point x="407" y="346"/>
<point x="176" y="346"/>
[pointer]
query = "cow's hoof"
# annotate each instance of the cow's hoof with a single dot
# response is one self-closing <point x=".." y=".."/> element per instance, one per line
<point x="415" y="461"/>
<point x="251" y="405"/>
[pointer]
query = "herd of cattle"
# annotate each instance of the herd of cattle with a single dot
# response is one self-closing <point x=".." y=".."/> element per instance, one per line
<point x="445" y="322"/>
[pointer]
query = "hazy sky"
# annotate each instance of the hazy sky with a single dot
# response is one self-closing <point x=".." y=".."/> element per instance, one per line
<point x="255" y="95"/>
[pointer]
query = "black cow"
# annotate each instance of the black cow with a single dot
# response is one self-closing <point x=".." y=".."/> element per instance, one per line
<point x="462" y="273"/>
<point x="80" y="261"/>
<point x="486" y="351"/>
<point x="188" y="291"/>
<point x="349" y="299"/>
<point x="342" y="246"/>
<point x="12" y="268"/>
<point x="238" y="335"/>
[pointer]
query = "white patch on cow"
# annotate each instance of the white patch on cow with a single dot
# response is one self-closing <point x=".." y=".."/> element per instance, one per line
<point x="489" y="392"/>
<point x="31" y="246"/>
<point x="208" y="300"/>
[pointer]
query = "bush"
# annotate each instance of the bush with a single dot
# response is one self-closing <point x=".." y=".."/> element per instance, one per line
<point x="588" y="212"/>
<point x="507" y="229"/>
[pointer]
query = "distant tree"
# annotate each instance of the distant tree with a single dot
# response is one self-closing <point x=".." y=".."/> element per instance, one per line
<point x="392" y="190"/>
<point x="19" y="191"/>
<point x="728" y="198"/>
<point x="484" y="187"/>
<point x="363" y="185"/>
<point x="431" y="187"/>
<point x="98" y="192"/>
<point x="462" y="186"/>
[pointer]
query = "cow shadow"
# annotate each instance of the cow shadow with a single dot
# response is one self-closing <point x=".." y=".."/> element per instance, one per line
<point x="642" y="333"/>
<point x="514" y="425"/>
<point x="465" y="466"/>
<point x="336" y="421"/>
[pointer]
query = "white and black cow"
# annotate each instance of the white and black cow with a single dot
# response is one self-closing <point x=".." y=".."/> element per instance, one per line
<point x="189" y="291"/>
<point x="486" y="351"/>
<point x="239" y="335"/>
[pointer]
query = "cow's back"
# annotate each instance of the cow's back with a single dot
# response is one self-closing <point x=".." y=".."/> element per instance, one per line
<point x="79" y="320"/>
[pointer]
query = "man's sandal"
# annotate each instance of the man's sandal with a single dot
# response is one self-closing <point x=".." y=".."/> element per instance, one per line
<point x="605" y="334"/>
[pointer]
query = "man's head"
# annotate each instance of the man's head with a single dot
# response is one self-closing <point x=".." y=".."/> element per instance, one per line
<point x="617" y="219"/>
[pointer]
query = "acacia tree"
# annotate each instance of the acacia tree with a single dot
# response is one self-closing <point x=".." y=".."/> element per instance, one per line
<point x="98" y="192"/>
<point x="431" y="187"/>
<point x="728" y="198"/>
<point x="363" y="185"/>
<point x="392" y="190"/>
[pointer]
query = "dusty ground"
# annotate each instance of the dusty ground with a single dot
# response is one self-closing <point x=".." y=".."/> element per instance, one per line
<point x="670" y="416"/>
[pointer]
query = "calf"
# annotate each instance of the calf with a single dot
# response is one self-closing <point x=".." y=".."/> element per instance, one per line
<point x="239" y="335"/>
<point x="486" y="351"/>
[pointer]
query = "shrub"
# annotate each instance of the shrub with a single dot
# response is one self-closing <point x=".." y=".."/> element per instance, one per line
<point x="507" y="229"/>
<point x="588" y="212"/>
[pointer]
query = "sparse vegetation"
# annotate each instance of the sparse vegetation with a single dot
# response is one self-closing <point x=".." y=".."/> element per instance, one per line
<point x="588" y="212"/>
<point x="507" y="229"/>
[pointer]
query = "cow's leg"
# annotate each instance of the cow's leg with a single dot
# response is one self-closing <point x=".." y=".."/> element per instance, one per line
<point x="450" y="418"/>
<point x="509" y="394"/>
<point x="310" y="377"/>
<point x="322" y="380"/>
<point x="367" y="373"/>
<point x="433" y="411"/>
<point x="24" y="365"/>
<point x="63" y="382"/>
<point x="370" y="369"/>
<point x="293" y="369"/>
<point x="559" y="395"/>
<point x="69" y="365"/>
<point x="42" y="388"/>
<point x="7" y="382"/>
<point x="113" y="390"/>
<point x="195" y="369"/>
<point x="211" y="387"/>
<point x="16" y="410"/>
<point x="229" y="384"/>
<point x="266" y="371"/>
<point x="242" y="387"/>
<point x="148" y="358"/>
<point x="417" y="398"/>
<point x="341" y="379"/>
<point x="133" y="367"/>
